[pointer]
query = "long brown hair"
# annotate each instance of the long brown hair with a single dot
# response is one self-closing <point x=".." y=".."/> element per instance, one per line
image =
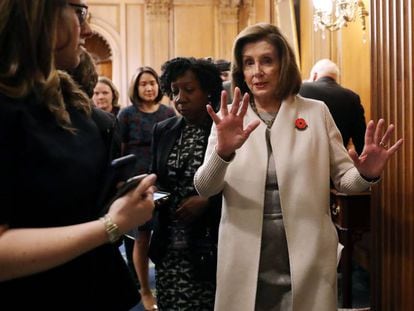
<point x="289" y="80"/>
<point x="27" y="40"/>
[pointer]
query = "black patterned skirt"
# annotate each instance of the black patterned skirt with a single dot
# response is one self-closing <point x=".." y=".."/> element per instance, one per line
<point x="177" y="286"/>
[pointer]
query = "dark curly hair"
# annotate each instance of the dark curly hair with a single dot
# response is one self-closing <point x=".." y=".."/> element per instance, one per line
<point x="205" y="71"/>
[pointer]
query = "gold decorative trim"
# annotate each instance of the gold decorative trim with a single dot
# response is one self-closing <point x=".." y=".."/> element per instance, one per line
<point x="229" y="9"/>
<point x="158" y="7"/>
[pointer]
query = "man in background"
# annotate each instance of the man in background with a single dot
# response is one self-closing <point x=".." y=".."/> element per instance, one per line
<point x="225" y="74"/>
<point x="224" y="67"/>
<point x="344" y="105"/>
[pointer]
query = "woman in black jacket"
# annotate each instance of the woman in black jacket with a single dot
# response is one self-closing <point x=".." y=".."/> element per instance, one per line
<point x="183" y="245"/>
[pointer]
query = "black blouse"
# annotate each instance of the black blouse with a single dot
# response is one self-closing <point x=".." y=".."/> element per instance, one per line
<point x="51" y="177"/>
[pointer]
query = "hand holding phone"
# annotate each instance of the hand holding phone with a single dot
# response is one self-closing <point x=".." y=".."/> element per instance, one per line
<point x="159" y="196"/>
<point x="130" y="184"/>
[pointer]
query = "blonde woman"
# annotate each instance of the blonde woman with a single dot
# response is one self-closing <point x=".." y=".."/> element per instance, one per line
<point x="106" y="95"/>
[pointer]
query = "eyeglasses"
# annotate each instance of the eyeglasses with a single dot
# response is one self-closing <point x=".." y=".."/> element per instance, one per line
<point x="81" y="11"/>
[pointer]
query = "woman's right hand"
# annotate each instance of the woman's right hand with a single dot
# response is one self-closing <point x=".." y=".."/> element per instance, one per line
<point x="230" y="133"/>
<point x="136" y="207"/>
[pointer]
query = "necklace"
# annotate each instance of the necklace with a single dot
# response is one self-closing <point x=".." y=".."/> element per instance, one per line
<point x="268" y="121"/>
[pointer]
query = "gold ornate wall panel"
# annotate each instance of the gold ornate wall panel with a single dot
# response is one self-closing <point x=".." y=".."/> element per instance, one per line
<point x="284" y="17"/>
<point x="101" y="9"/>
<point x="354" y="59"/>
<point x="263" y="11"/>
<point x="157" y="35"/>
<point x="108" y="20"/>
<point x="135" y="31"/>
<point x="393" y="208"/>
<point x="193" y="28"/>
<point x="227" y="26"/>
<point x="149" y="32"/>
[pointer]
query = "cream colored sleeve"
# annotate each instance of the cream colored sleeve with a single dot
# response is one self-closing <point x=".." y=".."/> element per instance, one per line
<point x="343" y="172"/>
<point x="210" y="176"/>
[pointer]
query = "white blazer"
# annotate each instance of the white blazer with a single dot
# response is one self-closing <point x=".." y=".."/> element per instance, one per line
<point x="304" y="161"/>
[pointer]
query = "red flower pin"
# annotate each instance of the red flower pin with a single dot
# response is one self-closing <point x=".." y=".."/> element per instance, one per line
<point x="301" y="124"/>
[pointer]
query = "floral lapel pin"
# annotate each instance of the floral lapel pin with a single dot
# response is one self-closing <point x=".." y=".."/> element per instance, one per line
<point x="301" y="124"/>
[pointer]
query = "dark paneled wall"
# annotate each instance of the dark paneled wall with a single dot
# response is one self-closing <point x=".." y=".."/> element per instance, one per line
<point x="392" y="90"/>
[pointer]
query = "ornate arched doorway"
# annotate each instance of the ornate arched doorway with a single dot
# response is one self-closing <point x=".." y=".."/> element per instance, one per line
<point x="101" y="52"/>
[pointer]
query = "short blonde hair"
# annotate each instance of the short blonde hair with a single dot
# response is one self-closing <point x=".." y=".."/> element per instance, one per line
<point x="115" y="93"/>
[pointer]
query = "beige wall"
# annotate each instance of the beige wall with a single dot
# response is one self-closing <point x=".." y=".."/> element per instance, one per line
<point x="149" y="32"/>
<point x="121" y="23"/>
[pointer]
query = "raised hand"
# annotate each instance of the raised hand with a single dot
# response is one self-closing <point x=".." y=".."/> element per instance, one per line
<point x="376" y="153"/>
<point x="230" y="132"/>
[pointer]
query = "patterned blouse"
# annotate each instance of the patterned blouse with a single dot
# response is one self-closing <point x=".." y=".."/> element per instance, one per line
<point x="185" y="158"/>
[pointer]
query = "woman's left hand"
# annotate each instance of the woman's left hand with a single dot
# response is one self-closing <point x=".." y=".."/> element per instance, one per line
<point x="190" y="208"/>
<point x="376" y="153"/>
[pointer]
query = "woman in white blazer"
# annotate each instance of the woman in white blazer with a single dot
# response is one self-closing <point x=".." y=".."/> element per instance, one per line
<point x="272" y="153"/>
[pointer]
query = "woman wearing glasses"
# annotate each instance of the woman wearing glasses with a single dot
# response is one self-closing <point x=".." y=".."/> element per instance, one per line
<point x="55" y="250"/>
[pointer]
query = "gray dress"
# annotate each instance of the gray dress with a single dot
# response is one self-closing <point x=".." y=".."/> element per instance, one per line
<point x="274" y="283"/>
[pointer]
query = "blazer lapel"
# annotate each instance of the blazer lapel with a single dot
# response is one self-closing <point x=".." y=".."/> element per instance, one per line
<point x="166" y="140"/>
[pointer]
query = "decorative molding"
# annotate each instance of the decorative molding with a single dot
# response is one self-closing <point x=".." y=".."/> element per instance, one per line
<point x="158" y="7"/>
<point x="112" y="37"/>
<point x="233" y="4"/>
<point x="194" y="3"/>
<point x="247" y="4"/>
<point x="103" y="46"/>
<point x="229" y="10"/>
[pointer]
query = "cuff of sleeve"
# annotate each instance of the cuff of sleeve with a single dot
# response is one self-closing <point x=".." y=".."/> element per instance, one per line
<point x="218" y="158"/>
<point x="371" y="181"/>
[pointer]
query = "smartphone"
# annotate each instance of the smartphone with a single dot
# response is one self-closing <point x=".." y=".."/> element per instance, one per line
<point x="130" y="184"/>
<point x="136" y="179"/>
<point x="123" y="161"/>
<point x="161" y="196"/>
<point x="119" y="170"/>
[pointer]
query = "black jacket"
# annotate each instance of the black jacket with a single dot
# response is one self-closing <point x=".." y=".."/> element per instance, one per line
<point x="344" y="105"/>
<point x="165" y="134"/>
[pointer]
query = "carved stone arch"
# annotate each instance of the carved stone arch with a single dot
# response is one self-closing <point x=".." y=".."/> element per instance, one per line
<point x="101" y="52"/>
<point x="112" y="41"/>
